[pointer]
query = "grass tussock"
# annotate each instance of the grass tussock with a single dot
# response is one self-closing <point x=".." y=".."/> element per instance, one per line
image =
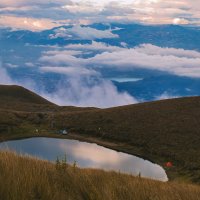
<point x="26" y="178"/>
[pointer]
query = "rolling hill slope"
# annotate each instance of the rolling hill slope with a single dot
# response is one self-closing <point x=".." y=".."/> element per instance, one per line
<point x="17" y="93"/>
<point x="18" y="98"/>
<point x="160" y="131"/>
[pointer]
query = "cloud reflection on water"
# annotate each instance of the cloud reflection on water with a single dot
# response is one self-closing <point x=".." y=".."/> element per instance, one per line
<point x="87" y="156"/>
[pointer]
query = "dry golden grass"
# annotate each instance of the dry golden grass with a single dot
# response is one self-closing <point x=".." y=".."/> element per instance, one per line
<point x="24" y="178"/>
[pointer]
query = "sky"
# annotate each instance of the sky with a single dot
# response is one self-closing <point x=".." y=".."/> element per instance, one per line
<point x="39" y="15"/>
<point x="89" y="65"/>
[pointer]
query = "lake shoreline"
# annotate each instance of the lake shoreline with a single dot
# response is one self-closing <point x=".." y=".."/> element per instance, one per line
<point x="116" y="146"/>
<point x="124" y="162"/>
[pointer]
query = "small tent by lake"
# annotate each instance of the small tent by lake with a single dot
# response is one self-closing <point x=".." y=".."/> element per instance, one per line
<point x="63" y="132"/>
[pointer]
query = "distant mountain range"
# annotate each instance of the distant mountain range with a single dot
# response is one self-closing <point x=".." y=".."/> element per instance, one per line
<point x="24" y="49"/>
<point x="132" y="34"/>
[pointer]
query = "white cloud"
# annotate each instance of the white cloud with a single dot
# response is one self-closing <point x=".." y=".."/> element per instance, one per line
<point x="19" y="3"/>
<point x="68" y="57"/>
<point x="82" y="33"/>
<point x="177" y="21"/>
<point x="95" y="46"/>
<point x="175" y="61"/>
<point x="88" y="92"/>
<point x="12" y="3"/>
<point x="155" y="50"/>
<point x="60" y="58"/>
<point x="5" y="78"/>
<point x="81" y="7"/>
<point x="29" y="64"/>
<point x="166" y="95"/>
<point x="82" y="87"/>
<point x="85" y="12"/>
<point x="63" y="52"/>
<point x="25" y="23"/>
<point x="70" y="71"/>
<point x="145" y="11"/>
<point x="10" y="65"/>
<point x="102" y="93"/>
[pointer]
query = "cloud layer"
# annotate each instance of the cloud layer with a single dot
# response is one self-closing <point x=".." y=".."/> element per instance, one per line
<point x="80" y="32"/>
<point x="84" y="12"/>
<point x="5" y="79"/>
<point x="86" y="92"/>
<point x="174" y="61"/>
<point x="76" y="89"/>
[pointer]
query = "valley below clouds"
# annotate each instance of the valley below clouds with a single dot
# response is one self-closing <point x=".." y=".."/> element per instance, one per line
<point x="101" y="54"/>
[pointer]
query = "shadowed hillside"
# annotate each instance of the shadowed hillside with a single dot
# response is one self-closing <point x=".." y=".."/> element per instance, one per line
<point x="16" y="93"/>
<point x="18" y="98"/>
<point x="160" y="131"/>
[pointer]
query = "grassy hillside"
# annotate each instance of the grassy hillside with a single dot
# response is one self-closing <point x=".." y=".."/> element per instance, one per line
<point x="16" y="93"/>
<point x="160" y="131"/>
<point x="23" y="178"/>
<point x="19" y="98"/>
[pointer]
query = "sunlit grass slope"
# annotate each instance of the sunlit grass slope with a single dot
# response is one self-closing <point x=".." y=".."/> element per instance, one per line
<point x="26" y="178"/>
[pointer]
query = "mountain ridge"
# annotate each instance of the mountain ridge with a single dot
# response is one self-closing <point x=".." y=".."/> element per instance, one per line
<point x="19" y="93"/>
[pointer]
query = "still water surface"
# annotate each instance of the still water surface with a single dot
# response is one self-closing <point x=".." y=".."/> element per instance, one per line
<point x="86" y="155"/>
